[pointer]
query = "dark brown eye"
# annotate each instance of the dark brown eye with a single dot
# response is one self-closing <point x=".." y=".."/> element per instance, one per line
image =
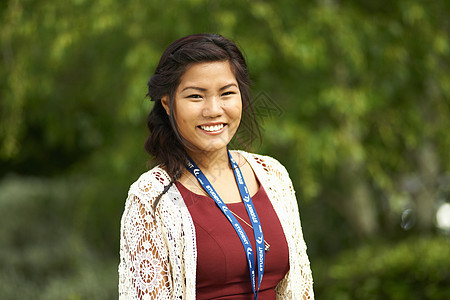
<point x="228" y="93"/>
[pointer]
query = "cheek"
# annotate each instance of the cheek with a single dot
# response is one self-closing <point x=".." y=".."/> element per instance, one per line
<point x="182" y="113"/>
<point x="238" y="110"/>
<point x="181" y="121"/>
<point x="183" y="124"/>
<point x="234" y="108"/>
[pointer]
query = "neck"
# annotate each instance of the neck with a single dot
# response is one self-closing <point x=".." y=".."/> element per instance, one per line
<point x="211" y="161"/>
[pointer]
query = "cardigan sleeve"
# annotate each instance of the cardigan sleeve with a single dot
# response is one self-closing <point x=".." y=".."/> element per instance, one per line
<point x="304" y="274"/>
<point x="298" y="283"/>
<point x="144" y="271"/>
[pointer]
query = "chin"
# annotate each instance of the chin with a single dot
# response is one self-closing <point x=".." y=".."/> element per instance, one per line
<point x="214" y="146"/>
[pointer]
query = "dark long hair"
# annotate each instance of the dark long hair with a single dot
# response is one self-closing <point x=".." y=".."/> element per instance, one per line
<point x="164" y="142"/>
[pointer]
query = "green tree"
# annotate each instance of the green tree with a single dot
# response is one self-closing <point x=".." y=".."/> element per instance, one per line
<point x="361" y="90"/>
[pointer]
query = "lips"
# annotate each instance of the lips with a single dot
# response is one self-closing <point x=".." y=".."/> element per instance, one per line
<point x="211" y="128"/>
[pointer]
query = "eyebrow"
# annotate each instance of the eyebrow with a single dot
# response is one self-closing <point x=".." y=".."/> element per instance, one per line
<point x="202" y="89"/>
<point x="227" y="86"/>
<point x="194" y="88"/>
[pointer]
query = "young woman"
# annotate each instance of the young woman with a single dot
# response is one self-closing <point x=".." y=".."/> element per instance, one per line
<point x="209" y="223"/>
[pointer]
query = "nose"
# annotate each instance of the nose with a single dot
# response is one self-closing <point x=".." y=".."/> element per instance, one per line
<point x="212" y="107"/>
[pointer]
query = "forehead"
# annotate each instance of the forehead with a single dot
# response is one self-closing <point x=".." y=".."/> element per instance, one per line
<point x="208" y="74"/>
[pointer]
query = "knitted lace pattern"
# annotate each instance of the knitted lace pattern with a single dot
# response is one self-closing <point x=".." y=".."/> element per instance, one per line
<point x="158" y="252"/>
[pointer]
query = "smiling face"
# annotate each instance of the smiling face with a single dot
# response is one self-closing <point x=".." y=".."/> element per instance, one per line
<point x="207" y="105"/>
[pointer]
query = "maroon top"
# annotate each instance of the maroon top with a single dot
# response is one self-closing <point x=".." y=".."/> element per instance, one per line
<point x="222" y="269"/>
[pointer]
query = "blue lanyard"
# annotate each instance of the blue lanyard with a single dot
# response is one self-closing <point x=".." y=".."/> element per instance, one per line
<point x="251" y="211"/>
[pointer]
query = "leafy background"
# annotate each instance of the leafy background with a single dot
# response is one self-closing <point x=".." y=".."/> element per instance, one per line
<point x="353" y="98"/>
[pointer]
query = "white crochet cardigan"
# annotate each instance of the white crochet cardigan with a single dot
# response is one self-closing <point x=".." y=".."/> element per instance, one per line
<point x="158" y="252"/>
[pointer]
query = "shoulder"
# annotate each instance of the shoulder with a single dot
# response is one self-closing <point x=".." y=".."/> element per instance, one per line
<point x="266" y="164"/>
<point x="150" y="184"/>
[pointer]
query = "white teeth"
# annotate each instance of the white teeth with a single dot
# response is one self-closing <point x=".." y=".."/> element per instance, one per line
<point x="212" y="128"/>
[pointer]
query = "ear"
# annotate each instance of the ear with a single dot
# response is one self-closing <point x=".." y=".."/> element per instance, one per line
<point x="166" y="104"/>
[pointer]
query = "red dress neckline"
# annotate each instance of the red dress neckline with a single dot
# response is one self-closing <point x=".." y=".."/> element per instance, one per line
<point x="222" y="271"/>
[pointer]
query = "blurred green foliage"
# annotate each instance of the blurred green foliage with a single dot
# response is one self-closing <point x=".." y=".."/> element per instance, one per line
<point x="416" y="268"/>
<point x="360" y="91"/>
<point x="41" y="255"/>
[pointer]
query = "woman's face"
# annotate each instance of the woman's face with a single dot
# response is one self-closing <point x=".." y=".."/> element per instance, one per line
<point x="207" y="105"/>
